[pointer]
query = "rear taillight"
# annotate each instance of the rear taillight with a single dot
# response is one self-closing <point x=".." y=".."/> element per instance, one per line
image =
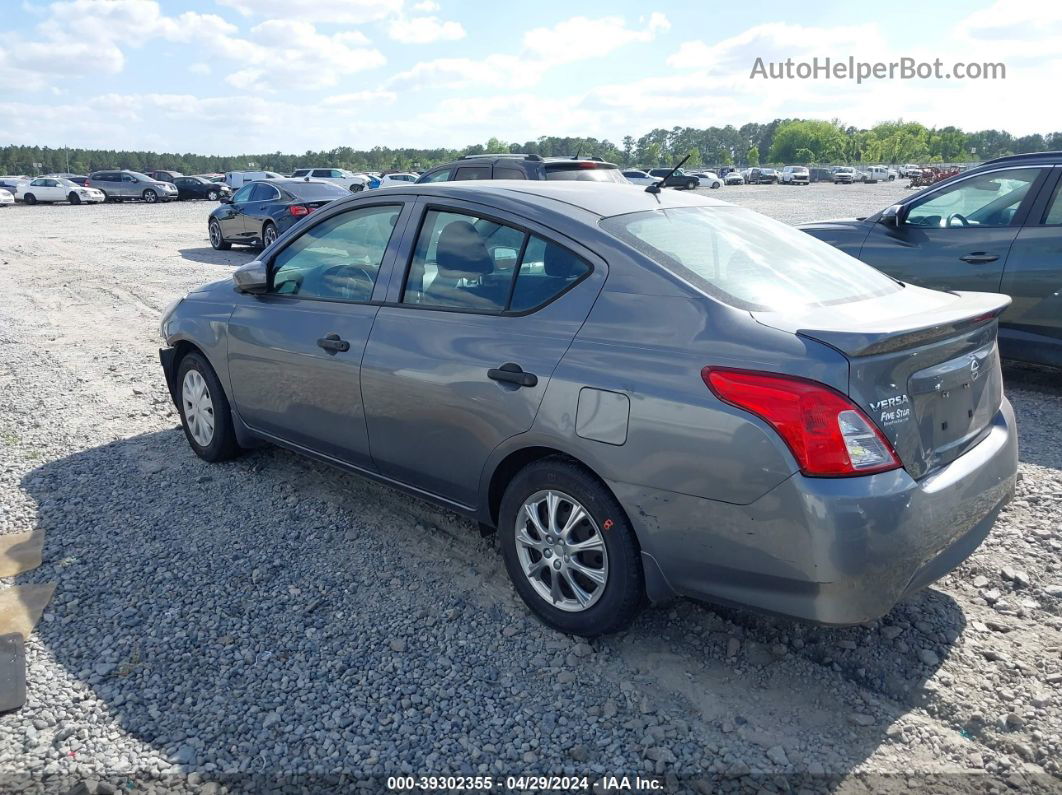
<point x="827" y="433"/>
<point x="298" y="210"/>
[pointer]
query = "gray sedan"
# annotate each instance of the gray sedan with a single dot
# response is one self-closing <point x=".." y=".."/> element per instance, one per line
<point x="645" y="394"/>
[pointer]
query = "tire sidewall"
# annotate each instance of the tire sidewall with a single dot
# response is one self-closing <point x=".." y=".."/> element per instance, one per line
<point x="150" y="196"/>
<point x="625" y="588"/>
<point x="221" y="442"/>
<point x="266" y="242"/>
<point x="220" y="244"/>
<point x="213" y="195"/>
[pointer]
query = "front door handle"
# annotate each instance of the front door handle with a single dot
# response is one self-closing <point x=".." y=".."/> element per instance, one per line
<point x="512" y="373"/>
<point x="979" y="257"/>
<point x="333" y="344"/>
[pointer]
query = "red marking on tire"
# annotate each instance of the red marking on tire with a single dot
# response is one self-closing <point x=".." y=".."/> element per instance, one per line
<point x="608" y="524"/>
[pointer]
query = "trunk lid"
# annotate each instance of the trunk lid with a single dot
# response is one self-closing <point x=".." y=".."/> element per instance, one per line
<point x="923" y="365"/>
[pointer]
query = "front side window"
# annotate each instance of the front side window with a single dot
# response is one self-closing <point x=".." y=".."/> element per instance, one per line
<point x="747" y="260"/>
<point x="989" y="199"/>
<point x="337" y="259"/>
<point x="462" y="261"/>
<point x="442" y="175"/>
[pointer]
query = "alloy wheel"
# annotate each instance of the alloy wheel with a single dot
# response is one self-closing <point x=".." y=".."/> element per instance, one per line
<point x="198" y="408"/>
<point x="269" y="236"/>
<point x="561" y="551"/>
<point x="215" y="234"/>
<point x="150" y="196"/>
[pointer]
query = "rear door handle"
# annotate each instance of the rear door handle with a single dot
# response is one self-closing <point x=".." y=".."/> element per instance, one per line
<point x="979" y="257"/>
<point x="333" y="344"/>
<point x="512" y="373"/>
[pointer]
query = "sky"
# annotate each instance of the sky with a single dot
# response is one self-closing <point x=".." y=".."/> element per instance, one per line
<point x="253" y="76"/>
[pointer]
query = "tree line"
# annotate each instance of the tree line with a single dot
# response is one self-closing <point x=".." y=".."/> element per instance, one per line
<point x="792" y="141"/>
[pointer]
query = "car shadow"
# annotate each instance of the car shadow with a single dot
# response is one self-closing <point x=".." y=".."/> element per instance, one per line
<point x="228" y="614"/>
<point x="237" y="255"/>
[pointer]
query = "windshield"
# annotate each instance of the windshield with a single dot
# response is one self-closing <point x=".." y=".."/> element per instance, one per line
<point x="316" y="191"/>
<point x="592" y="173"/>
<point x="748" y="260"/>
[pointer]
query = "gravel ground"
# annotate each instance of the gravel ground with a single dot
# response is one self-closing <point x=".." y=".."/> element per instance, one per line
<point x="270" y="620"/>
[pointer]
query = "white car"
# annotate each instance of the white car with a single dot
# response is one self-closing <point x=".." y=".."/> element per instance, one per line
<point x="637" y="177"/>
<point x="734" y="178"/>
<point x="338" y="176"/>
<point x="6" y="197"/>
<point x="708" y="179"/>
<point x="57" y="189"/>
<point x="398" y="178"/>
<point x="795" y="175"/>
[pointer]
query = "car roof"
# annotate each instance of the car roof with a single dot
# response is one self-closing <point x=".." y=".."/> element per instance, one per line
<point x="603" y="199"/>
<point x="1029" y="157"/>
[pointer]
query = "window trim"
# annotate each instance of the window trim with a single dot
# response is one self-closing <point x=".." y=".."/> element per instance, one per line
<point x="271" y="268"/>
<point x="1053" y="195"/>
<point x="1020" y="215"/>
<point x="527" y="231"/>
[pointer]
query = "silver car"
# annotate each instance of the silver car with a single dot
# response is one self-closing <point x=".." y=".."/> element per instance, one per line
<point x="119" y="185"/>
<point x="646" y="394"/>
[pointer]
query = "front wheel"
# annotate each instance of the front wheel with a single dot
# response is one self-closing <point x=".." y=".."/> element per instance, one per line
<point x="692" y="184"/>
<point x="570" y="550"/>
<point x="150" y="196"/>
<point x="357" y="188"/>
<point x="213" y="195"/>
<point x="74" y="198"/>
<point x="217" y="240"/>
<point x="204" y="410"/>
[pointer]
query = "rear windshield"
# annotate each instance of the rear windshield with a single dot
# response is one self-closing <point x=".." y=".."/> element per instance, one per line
<point x="585" y="172"/>
<point x="316" y="191"/>
<point x="748" y="260"/>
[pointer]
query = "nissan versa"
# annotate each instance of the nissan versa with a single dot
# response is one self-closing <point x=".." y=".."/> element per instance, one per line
<point x="647" y="394"/>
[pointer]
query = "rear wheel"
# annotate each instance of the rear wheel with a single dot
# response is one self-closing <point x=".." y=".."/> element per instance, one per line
<point x="74" y="198"/>
<point x="150" y="196"/>
<point x="29" y="198"/>
<point x="217" y="240"/>
<point x="204" y="410"/>
<point x="570" y="550"/>
<point x="269" y="235"/>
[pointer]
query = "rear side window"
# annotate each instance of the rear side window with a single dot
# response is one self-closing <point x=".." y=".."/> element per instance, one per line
<point x="316" y="191"/>
<point x="748" y="260"/>
<point x="1053" y="216"/>
<point x="585" y="172"/>
<point x="472" y="172"/>
<point x="462" y="261"/>
<point x="338" y="259"/>
<point x="509" y="172"/>
<point x="442" y="175"/>
<point x="261" y="193"/>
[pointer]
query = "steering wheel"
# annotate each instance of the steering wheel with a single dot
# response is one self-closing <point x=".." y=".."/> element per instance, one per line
<point x="960" y="217"/>
<point x="352" y="273"/>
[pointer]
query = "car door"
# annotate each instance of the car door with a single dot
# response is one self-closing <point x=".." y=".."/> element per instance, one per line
<point x="294" y="354"/>
<point x="230" y="216"/>
<point x="255" y="210"/>
<point x="462" y="352"/>
<point x="1033" y="279"/>
<point x="957" y="237"/>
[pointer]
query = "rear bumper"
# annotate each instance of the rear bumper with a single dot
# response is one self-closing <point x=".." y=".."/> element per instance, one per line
<point x="829" y="550"/>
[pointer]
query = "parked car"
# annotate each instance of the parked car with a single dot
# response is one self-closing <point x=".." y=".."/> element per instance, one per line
<point x="517" y="166"/>
<point x="120" y="185"/>
<point x="795" y="175"/>
<point x="399" y="179"/>
<point x="53" y="189"/>
<point x="517" y="357"/>
<point x="910" y="170"/>
<point x="844" y="175"/>
<point x="708" y="179"/>
<point x="212" y="177"/>
<point x="237" y="179"/>
<point x="734" y="178"/>
<point x="340" y="176"/>
<point x="997" y="227"/>
<point x="77" y="179"/>
<point x="873" y="174"/>
<point x="636" y="176"/>
<point x="762" y="176"/>
<point x="679" y="180"/>
<point x="10" y="184"/>
<point x="259" y="212"/>
<point x="200" y="188"/>
<point x="6" y="197"/>
<point x="165" y="176"/>
<point x="818" y="174"/>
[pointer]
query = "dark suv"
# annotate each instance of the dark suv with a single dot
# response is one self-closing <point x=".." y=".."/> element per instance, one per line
<point x="996" y="228"/>
<point x="592" y="169"/>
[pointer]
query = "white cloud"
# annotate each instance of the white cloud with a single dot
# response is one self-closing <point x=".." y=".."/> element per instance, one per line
<point x="579" y="38"/>
<point x="426" y="7"/>
<point x="494" y="70"/>
<point x="424" y="30"/>
<point x="199" y="68"/>
<point x="354" y="12"/>
<point x="360" y="98"/>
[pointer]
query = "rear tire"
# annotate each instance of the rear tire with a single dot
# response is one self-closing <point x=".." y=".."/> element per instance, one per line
<point x="74" y="198"/>
<point x="269" y="234"/>
<point x="29" y="198"/>
<point x="217" y="240"/>
<point x="150" y="196"/>
<point x="615" y="555"/>
<point x="204" y="410"/>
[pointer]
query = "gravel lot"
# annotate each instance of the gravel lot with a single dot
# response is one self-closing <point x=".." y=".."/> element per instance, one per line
<point x="271" y="620"/>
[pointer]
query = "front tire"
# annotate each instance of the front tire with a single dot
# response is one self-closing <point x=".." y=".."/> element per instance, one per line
<point x="150" y="196"/>
<point x="570" y="550"/>
<point x="204" y="409"/>
<point x="217" y="240"/>
<point x="213" y="195"/>
<point x="74" y="198"/>
<point x="357" y="188"/>
<point x="691" y="185"/>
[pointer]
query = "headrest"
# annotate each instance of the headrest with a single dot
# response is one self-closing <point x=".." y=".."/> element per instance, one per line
<point x="461" y="249"/>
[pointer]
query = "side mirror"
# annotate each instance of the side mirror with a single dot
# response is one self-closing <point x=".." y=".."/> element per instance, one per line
<point x="225" y="198"/>
<point x="892" y="216"/>
<point x="252" y="278"/>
